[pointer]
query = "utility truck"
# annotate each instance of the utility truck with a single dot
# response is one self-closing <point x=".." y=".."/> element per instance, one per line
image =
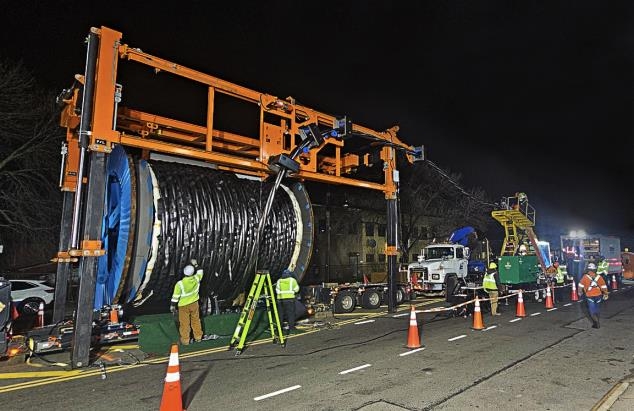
<point x="579" y="249"/>
<point x="441" y="266"/>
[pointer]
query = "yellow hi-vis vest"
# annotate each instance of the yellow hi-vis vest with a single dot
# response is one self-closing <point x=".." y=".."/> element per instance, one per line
<point x="603" y="267"/>
<point x="561" y="274"/>
<point x="186" y="290"/>
<point x="488" y="282"/>
<point x="286" y="288"/>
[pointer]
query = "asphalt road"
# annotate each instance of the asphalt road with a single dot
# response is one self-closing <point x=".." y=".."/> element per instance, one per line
<point x="549" y="360"/>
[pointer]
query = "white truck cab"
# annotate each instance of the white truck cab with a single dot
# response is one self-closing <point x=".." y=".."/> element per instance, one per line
<point x="436" y="263"/>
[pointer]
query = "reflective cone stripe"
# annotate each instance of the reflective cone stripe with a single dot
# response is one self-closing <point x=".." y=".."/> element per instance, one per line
<point x="614" y="285"/>
<point x="478" y="324"/>
<point x="549" y="298"/>
<point x="520" y="311"/>
<point x="40" y="316"/>
<point x="172" y="398"/>
<point x="413" y="339"/>
<point x="573" y="294"/>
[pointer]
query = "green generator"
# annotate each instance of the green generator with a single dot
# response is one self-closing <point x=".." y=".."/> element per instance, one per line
<point x="518" y="269"/>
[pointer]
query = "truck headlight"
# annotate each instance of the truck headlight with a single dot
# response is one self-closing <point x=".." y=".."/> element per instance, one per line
<point x="435" y="276"/>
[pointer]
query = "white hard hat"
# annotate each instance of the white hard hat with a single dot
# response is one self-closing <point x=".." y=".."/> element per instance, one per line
<point x="592" y="266"/>
<point x="188" y="270"/>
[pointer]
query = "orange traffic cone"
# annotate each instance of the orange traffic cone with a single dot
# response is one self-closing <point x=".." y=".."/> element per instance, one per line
<point x="477" y="316"/>
<point x="413" y="339"/>
<point x="520" y="311"/>
<point x="549" y="298"/>
<point x="39" y="323"/>
<point x="614" y="286"/>
<point x="172" y="398"/>
<point x="573" y="294"/>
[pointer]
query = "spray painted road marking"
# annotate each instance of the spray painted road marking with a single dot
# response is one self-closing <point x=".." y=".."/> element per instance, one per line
<point x="534" y="314"/>
<point x="516" y="319"/>
<point x="273" y="394"/>
<point x="457" y="338"/>
<point x="490" y="327"/>
<point x="411" y="352"/>
<point x="552" y="309"/>
<point x="355" y="369"/>
<point x="364" y="322"/>
<point x="567" y="305"/>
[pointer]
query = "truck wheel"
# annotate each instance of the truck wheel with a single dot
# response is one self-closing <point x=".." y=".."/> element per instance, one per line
<point x="401" y="295"/>
<point x="345" y="302"/>
<point x="371" y="299"/>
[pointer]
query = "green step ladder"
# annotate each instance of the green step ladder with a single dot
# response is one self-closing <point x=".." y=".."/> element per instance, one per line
<point x="262" y="281"/>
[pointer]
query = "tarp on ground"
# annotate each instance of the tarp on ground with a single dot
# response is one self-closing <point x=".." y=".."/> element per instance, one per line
<point x="157" y="332"/>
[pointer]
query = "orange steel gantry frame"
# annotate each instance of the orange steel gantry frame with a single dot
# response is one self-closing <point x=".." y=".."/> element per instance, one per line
<point x="95" y="123"/>
<point x="229" y="151"/>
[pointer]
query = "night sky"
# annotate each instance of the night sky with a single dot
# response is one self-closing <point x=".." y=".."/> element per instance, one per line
<point x="514" y="95"/>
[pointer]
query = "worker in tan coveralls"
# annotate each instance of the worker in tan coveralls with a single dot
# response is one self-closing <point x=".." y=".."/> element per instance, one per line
<point x="186" y="296"/>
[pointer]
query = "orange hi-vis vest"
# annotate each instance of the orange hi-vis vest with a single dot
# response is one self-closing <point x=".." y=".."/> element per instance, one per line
<point x="593" y="286"/>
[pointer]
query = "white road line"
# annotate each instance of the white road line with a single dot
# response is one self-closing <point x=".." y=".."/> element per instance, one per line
<point x="355" y="369"/>
<point x="273" y="394"/>
<point x="552" y="309"/>
<point x="401" y="315"/>
<point x="534" y="314"/>
<point x="516" y="319"/>
<point x="411" y="352"/>
<point x="364" y="322"/>
<point x="566" y="305"/>
<point x="457" y="338"/>
<point x="490" y="327"/>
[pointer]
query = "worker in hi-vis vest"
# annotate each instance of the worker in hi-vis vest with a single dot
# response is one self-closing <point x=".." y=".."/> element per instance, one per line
<point x="560" y="279"/>
<point x="593" y="286"/>
<point x="285" y="289"/>
<point x="186" y="296"/>
<point x="490" y="284"/>
<point x="603" y="269"/>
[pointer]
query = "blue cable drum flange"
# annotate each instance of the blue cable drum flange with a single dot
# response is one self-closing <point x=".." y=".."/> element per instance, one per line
<point x="118" y="226"/>
<point x="143" y="234"/>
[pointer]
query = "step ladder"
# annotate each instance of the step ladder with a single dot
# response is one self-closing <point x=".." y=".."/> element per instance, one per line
<point x="262" y="281"/>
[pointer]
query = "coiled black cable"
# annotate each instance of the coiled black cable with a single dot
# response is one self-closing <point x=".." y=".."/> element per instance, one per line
<point x="213" y="216"/>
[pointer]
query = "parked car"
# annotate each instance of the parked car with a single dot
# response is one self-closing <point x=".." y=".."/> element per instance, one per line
<point x="28" y="294"/>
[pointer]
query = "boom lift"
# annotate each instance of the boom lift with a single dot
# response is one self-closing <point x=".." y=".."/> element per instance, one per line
<point x="305" y="143"/>
<point x="523" y="258"/>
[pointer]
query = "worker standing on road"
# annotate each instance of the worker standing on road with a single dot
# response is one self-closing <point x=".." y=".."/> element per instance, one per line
<point x="560" y="277"/>
<point x="491" y="285"/>
<point x="595" y="290"/>
<point x="186" y="295"/>
<point x="285" y="289"/>
<point x="603" y="268"/>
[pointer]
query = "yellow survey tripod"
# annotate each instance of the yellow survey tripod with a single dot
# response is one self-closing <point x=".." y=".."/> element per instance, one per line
<point x="262" y="281"/>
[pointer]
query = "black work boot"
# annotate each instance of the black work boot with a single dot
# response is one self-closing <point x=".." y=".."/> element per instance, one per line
<point x="595" y="321"/>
